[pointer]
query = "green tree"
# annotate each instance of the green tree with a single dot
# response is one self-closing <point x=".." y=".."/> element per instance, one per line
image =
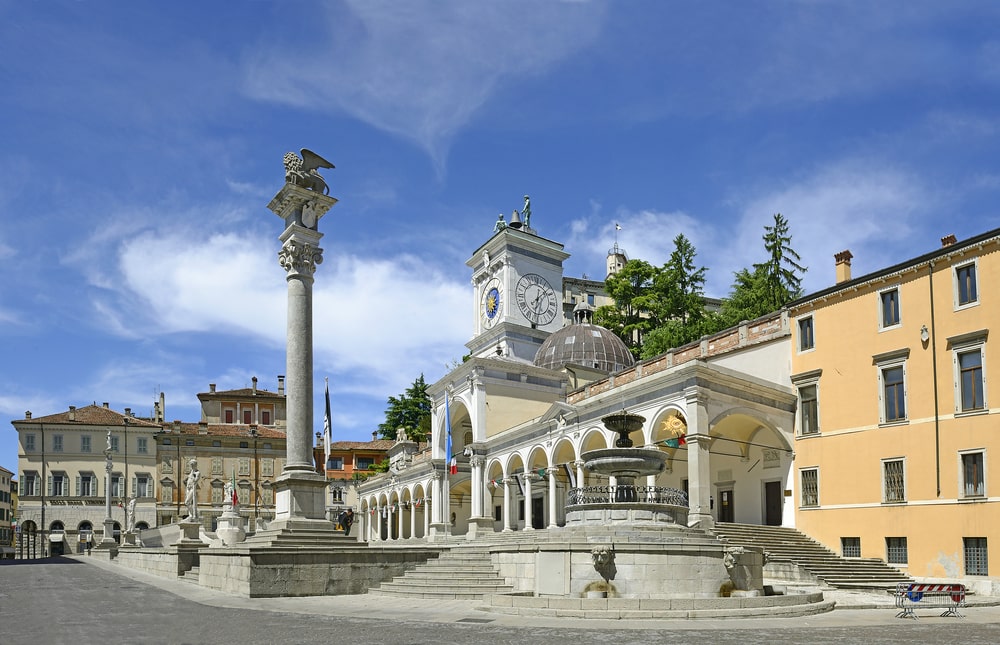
<point x="411" y="410"/>
<point x="676" y="301"/>
<point x="771" y="284"/>
<point x="628" y="317"/>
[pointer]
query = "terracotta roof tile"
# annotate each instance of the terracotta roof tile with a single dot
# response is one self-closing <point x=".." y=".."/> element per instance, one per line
<point x="223" y="430"/>
<point x="90" y="415"/>
<point x="378" y="444"/>
<point x="241" y="393"/>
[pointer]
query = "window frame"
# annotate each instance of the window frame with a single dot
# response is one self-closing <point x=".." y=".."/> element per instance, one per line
<point x="956" y="284"/>
<point x="850" y="547"/>
<point x="85" y="443"/>
<point x="981" y="546"/>
<point x="332" y="462"/>
<point x="800" y="324"/>
<point x="29" y="442"/>
<point x="963" y="345"/>
<point x="57" y="443"/>
<point x="883" y="363"/>
<point x="809" y="382"/>
<point x="885" y="475"/>
<point x="142" y="445"/>
<point x="882" y="293"/>
<point x="896" y="550"/>
<point x="814" y="470"/>
<point x="963" y="481"/>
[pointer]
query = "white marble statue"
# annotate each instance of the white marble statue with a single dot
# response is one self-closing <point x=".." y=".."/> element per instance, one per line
<point x="191" y="496"/>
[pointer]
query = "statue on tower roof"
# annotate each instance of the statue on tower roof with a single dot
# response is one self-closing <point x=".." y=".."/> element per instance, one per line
<point x="303" y="171"/>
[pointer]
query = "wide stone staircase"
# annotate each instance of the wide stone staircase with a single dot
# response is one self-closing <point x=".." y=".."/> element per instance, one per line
<point x="459" y="573"/>
<point x="788" y="546"/>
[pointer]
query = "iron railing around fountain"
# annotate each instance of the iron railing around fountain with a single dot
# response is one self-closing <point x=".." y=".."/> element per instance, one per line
<point x="643" y="495"/>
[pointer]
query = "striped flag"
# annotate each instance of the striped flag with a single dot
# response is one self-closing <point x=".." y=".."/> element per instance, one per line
<point x="326" y="428"/>
<point x="452" y="462"/>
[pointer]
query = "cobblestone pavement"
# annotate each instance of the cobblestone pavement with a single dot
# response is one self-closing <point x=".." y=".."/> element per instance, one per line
<point x="84" y="600"/>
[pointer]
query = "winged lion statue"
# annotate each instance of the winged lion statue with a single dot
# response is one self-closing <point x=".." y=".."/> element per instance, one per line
<point x="303" y="171"/>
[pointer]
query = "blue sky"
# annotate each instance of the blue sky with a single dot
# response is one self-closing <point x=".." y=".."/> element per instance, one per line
<point x="142" y="142"/>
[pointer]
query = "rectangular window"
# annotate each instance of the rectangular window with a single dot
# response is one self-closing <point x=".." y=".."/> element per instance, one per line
<point x="117" y="485"/>
<point x="810" y="487"/>
<point x="189" y="442"/>
<point x="244" y="444"/>
<point x="335" y="463"/>
<point x="167" y="442"/>
<point x="973" y="474"/>
<point x="59" y="485"/>
<point x="143" y="485"/>
<point x="57" y="443"/>
<point x="30" y="484"/>
<point x="364" y="463"/>
<point x="265" y="417"/>
<point x="87" y="486"/>
<point x="970" y="380"/>
<point x="229" y="415"/>
<point x="243" y="494"/>
<point x="267" y="496"/>
<point x="976" y="560"/>
<point x="247" y="417"/>
<point x="267" y="467"/>
<point x="966" y="289"/>
<point x="85" y="443"/>
<point x="809" y="420"/>
<point x="217" y="466"/>
<point x="895" y="550"/>
<point x="889" y="308"/>
<point x="29" y="443"/>
<point x="893" y="481"/>
<point x="244" y="466"/>
<point x="114" y="444"/>
<point x="337" y="495"/>
<point x="806" y="339"/>
<point x="850" y="547"/>
<point x="142" y="446"/>
<point x="216" y="443"/>
<point x="893" y="394"/>
<point x="216" y="495"/>
<point x="166" y="493"/>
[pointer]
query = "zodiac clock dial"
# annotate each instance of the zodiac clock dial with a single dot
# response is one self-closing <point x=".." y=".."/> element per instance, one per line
<point x="536" y="299"/>
<point x="491" y="302"/>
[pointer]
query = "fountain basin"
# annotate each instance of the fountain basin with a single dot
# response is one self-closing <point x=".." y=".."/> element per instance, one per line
<point x="625" y="462"/>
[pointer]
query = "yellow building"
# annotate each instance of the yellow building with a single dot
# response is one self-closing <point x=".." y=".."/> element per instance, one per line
<point x="894" y="426"/>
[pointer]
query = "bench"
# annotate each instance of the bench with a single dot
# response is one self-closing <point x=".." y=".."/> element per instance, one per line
<point x="911" y="595"/>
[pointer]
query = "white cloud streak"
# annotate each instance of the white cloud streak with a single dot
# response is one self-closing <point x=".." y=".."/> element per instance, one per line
<point x="420" y="70"/>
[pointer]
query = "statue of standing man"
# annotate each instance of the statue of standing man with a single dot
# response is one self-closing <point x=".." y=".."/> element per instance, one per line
<point x="191" y="496"/>
<point x="526" y="212"/>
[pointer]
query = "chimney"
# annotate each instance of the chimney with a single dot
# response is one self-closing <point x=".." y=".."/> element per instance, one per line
<point x="374" y="435"/>
<point x="254" y="380"/>
<point x="843" y="266"/>
<point x="948" y="240"/>
<point x="163" y="408"/>
<point x="177" y="426"/>
<point x="281" y="384"/>
<point x="106" y="406"/>
<point x="211" y="388"/>
<point x="27" y="414"/>
<point x="72" y="413"/>
<point x="128" y="412"/>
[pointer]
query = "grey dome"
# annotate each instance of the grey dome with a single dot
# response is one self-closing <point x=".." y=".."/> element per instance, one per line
<point x="584" y="343"/>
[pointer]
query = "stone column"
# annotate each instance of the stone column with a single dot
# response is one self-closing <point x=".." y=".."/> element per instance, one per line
<point x="699" y="468"/>
<point x="528" y="521"/>
<point x="438" y="523"/>
<point x="581" y="475"/>
<point x="553" y="516"/>
<point x="427" y="518"/>
<point x="413" y="519"/>
<point x="508" y="482"/>
<point x="399" y="520"/>
<point x="300" y="490"/>
<point x="108" y="541"/>
<point x="479" y="522"/>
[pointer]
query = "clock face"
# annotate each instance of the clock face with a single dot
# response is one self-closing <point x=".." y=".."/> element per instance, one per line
<point x="491" y="303"/>
<point x="536" y="299"/>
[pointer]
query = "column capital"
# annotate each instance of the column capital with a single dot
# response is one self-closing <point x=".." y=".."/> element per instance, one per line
<point x="300" y="252"/>
<point x="477" y="461"/>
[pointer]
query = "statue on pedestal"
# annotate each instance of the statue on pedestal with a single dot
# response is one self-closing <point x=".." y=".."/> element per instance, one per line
<point x="191" y="496"/>
<point x="302" y="171"/>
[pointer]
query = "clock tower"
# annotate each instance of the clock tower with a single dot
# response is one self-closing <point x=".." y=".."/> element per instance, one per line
<point x="517" y="288"/>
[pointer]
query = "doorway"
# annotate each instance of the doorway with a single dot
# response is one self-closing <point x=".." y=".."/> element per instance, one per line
<point x="537" y="513"/>
<point x="773" y="502"/>
<point x="726" y="511"/>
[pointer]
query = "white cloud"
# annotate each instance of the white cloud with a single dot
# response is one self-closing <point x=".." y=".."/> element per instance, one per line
<point x="419" y="70"/>
<point x="379" y="322"/>
<point x="872" y="209"/>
